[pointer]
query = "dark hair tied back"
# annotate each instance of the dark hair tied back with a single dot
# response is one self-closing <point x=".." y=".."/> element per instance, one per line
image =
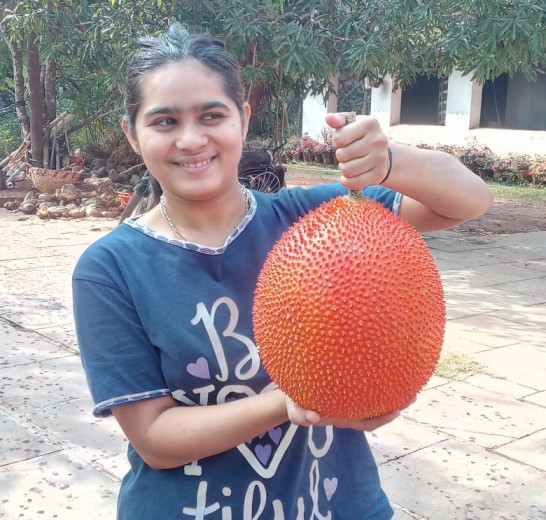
<point x="178" y="44"/>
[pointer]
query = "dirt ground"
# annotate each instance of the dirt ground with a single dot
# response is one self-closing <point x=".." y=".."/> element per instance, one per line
<point x="506" y="216"/>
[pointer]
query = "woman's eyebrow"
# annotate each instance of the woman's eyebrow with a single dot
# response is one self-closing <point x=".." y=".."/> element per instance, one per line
<point x="201" y="107"/>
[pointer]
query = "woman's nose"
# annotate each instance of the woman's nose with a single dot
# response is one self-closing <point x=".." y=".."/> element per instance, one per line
<point x="190" y="136"/>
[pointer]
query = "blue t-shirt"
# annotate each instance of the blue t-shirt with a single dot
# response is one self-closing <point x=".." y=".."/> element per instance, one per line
<point x="156" y="316"/>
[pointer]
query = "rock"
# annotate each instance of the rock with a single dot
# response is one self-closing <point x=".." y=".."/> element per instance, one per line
<point x="77" y="212"/>
<point x="114" y="175"/>
<point x="67" y="193"/>
<point x="32" y="197"/>
<point x="42" y="209"/>
<point x="134" y="179"/>
<point x="110" y="214"/>
<point x="12" y="205"/>
<point x="56" y="212"/>
<point x="45" y="197"/>
<point x="102" y="172"/>
<point x="93" y="211"/>
<point x="28" y="208"/>
<point x="98" y="163"/>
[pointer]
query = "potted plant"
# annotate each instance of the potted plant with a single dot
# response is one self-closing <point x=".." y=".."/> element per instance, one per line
<point x="306" y="146"/>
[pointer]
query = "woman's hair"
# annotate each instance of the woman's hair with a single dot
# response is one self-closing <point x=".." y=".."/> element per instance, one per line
<point x="177" y="44"/>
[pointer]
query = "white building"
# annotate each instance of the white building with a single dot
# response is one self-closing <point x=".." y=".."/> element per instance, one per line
<point x="452" y="109"/>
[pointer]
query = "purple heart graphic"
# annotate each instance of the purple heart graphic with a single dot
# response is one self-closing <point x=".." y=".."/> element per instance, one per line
<point x="263" y="453"/>
<point x="199" y="369"/>
<point x="275" y="434"/>
<point x="330" y="486"/>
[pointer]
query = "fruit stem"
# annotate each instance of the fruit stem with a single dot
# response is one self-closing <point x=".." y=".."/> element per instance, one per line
<point x="353" y="194"/>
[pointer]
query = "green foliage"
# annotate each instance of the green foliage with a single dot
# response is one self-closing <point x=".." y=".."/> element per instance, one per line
<point x="288" y="48"/>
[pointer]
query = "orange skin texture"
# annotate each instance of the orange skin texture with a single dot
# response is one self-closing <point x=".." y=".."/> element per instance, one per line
<point x="349" y="312"/>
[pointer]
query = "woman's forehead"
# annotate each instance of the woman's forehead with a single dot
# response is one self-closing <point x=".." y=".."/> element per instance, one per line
<point x="188" y="82"/>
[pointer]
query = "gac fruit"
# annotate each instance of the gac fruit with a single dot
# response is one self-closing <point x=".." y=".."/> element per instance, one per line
<point x="349" y="312"/>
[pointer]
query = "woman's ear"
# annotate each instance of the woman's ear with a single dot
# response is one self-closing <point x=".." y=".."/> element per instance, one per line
<point x="246" y="119"/>
<point x="130" y="133"/>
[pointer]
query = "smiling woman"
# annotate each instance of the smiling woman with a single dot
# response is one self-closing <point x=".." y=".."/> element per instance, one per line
<point x="163" y="304"/>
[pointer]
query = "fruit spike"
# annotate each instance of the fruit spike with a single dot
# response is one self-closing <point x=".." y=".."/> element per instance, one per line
<point x="349" y="313"/>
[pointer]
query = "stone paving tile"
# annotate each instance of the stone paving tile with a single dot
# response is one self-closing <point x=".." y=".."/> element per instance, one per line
<point x="530" y="315"/>
<point x="401" y="514"/>
<point x="454" y="243"/>
<point x="469" y="301"/>
<point x="537" y="265"/>
<point x="522" y="363"/>
<point x="63" y="334"/>
<point x="471" y="337"/>
<point x="530" y="287"/>
<point x="72" y="422"/>
<point x="18" y="443"/>
<point x="21" y="347"/>
<point x="537" y="398"/>
<point x="454" y="480"/>
<point x="469" y="258"/>
<point x="485" y="275"/>
<point x="530" y="450"/>
<point x="493" y="331"/>
<point x="500" y="386"/>
<point x="483" y="417"/>
<point x="400" y="438"/>
<point x="32" y="386"/>
<point x="32" y="263"/>
<point x="56" y="486"/>
<point x="33" y="311"/>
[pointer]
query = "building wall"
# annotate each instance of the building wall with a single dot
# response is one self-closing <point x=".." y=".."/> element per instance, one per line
<point x="526" y="103"/>
<point x="464" y="100"/>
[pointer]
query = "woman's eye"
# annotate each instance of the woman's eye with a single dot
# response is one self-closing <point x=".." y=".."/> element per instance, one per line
<point x="165" y="121"/>
<point x="212" y="116"/>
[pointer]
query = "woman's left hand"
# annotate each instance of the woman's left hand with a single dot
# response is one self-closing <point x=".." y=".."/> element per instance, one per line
<point x="302" y="417"/>
<point x="361" y="148"/>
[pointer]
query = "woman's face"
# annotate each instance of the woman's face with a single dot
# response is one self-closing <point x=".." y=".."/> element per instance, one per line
<point x="188" y="131"/>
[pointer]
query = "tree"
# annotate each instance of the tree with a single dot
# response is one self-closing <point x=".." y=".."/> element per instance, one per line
<point x="288" y="48"/>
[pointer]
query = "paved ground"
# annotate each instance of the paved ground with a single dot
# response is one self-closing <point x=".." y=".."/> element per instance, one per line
<point x="472" y="447"/>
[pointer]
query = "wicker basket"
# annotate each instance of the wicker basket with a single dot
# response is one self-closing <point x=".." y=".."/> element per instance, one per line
<point x="47" y="181"/>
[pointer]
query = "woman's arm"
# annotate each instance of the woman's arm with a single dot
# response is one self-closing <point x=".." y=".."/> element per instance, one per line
<point x="439" y="191"/>
<point x="167" y="435"/>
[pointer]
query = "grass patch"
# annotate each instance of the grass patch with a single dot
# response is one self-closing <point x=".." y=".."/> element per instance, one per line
<point x="313" y="168"/>
<point x="457" y="367"/>
<point x="502" y="190"/>
<point x="521" y="191"/>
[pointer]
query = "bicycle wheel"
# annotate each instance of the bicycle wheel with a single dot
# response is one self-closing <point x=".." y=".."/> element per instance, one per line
<point x="266" y="181"/>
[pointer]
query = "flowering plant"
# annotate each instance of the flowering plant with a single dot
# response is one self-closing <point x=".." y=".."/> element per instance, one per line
<point x="323" y="147"/>
<point x="476" y="156"/>
<point x="306" y="144"/>
<point x="538" y="169"/>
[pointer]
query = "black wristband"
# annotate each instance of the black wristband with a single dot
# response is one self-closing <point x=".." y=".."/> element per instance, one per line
<point x="389" y="153"/>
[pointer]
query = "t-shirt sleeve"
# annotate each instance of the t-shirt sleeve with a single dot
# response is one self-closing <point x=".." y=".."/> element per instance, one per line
<point x="120" y="363"/>
<point x="306" y="199"/>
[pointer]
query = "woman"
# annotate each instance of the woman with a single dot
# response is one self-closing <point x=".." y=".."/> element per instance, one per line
<point x="163" y="303"/>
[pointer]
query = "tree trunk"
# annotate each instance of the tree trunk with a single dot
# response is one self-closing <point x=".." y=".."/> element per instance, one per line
<point x="36" y="101"/>
<point x="16" y="52"/>
<point x="50" y="105"/>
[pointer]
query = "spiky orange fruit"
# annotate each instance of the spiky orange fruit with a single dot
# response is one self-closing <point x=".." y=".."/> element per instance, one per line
<point x="349" y="312"/>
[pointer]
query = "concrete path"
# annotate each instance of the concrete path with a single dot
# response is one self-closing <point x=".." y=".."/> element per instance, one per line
<point x="473" y="447"/>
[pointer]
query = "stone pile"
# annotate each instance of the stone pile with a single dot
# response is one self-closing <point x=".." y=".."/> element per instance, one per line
<point x="103" y="192"/>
